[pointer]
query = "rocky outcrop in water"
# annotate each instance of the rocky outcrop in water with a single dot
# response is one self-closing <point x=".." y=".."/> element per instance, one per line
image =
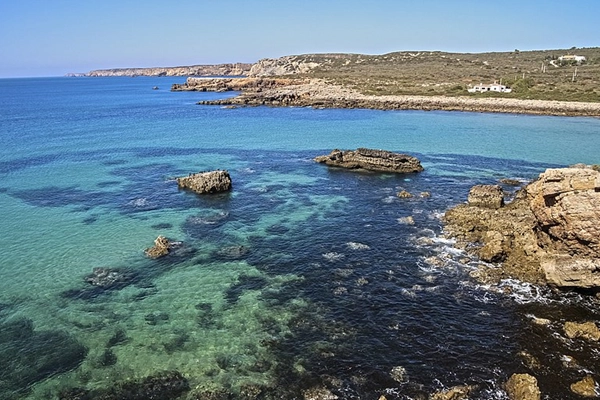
<point x="161" y="248"/>
<point x="235" y="69"/>
<point x="372" y="160"/>
<point x="206" y="182"/>
<point x="550" y="233"/>
<point x="523" y="387"/>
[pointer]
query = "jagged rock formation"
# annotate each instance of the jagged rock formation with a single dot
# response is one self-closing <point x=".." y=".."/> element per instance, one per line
<point x="585" y="387"/>
<point x="206" y="182"/>
<point x="522" y="387"/>
<point x="586" y="330"/>
<point x="230" y="84"/>
<point x="236" y="69"/>
<point x="549" y="234"/>
<point x="161" y="248"/>
<point x="372" y="160"/>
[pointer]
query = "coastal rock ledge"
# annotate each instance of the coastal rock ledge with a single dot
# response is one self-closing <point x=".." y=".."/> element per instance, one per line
<point x="372" y="160"/>
<point x="206" y="182"/>
<point x="550" y="232"/>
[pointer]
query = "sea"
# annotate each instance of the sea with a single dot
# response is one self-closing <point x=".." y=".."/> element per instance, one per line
<point x="302" y="282"/>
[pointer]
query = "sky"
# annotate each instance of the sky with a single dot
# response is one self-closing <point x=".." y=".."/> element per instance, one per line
<point x="56" y="37"/>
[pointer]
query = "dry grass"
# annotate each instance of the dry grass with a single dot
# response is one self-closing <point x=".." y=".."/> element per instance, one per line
<point x="450" y="74"/>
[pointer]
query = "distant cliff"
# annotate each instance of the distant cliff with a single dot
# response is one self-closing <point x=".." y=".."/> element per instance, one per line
<point x="236" y="69"/>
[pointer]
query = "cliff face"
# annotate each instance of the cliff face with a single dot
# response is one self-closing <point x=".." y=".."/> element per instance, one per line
<point x="236" y="69"/>
<point x="550" y="232"/>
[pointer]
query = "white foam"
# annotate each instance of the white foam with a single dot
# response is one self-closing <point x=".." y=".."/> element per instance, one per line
<point x="357" y="246"/>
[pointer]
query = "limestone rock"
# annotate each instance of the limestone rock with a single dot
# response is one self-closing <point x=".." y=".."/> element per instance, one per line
<point x="550" y="232"/>
<point x="585" y="387"/>
<point x="161" y="248"/>
<point x="567" y="271"/>
<point x="206" y="182"/>
<point x="523" y="387"/>
<point x="566" y="203"/>
<point x="454" y="393"/>
<point x="489" y="196"/>
<point x="373" y="160"/>
<point x="586" y="330"/>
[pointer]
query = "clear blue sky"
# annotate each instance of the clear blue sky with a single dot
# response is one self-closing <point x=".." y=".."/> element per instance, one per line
<point x="54" y="37"/>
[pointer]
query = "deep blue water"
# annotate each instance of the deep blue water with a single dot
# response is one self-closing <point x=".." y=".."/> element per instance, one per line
<point x="301" y="277"/>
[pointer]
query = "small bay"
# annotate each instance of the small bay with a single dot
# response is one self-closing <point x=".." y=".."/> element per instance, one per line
<point x="300" y="277"/>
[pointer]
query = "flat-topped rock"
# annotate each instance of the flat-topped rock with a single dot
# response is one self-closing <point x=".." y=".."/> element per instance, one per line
<point x="372" y="160"/>
<point x="206" y="182"/>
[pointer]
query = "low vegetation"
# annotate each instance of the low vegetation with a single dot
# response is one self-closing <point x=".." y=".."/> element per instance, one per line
<point x="530" y="74"/>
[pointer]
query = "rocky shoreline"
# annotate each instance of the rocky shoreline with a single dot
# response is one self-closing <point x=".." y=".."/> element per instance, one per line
<point x="318" y="93"/>
<point x="548" y="234"/>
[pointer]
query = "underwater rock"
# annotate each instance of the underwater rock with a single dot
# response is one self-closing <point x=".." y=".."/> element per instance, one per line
<point x="522" y="387"/>
<point x="510" y="182"/>
<point x="118" y="338"/>
<point x="155" y="318"/>
<point x="107" y="358"/>
<point x="454" y="393"/>
<point x="372" y="160"/>
<point x="585" y="387"/>
<point x="161" y="247"/>
<point x="398" y="374"/>
<point x="206" y="182"/>
<point x="31" y="356"/>
<point x="233" y="252"/>
<point x="169" y="385"/>
<point x="110" y="278"/>
<point x="550" y="232"/>
<point x="319" y="393"/>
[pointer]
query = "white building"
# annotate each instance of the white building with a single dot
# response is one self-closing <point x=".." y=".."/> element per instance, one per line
<point x="495" y="87"/>
<point x="568" y="58"/>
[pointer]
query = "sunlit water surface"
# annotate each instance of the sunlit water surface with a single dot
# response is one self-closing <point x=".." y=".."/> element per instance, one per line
<point x="301" y="277"/>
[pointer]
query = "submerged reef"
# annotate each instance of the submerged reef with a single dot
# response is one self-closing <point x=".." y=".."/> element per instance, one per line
<point x="29" y="356"/>
<point x="164" y="386"/>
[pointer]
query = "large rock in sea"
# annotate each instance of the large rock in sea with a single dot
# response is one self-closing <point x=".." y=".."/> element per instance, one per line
<point x="161" y="248"/>
<point x="206" y="182"/>
<point x="522" y="387"/>
<point x="372" y="160"/>
<point x="550" y="233"/>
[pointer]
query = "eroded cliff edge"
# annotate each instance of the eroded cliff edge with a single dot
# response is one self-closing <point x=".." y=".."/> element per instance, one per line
<point x="549" y="234"/>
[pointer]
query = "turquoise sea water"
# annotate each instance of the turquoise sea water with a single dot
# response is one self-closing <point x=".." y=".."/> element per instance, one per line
<point x="302" y="277"/>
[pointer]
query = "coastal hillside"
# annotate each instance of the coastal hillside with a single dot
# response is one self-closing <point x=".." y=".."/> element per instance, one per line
<point x="235" y="69"/>
<point x="563" y="74"/>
